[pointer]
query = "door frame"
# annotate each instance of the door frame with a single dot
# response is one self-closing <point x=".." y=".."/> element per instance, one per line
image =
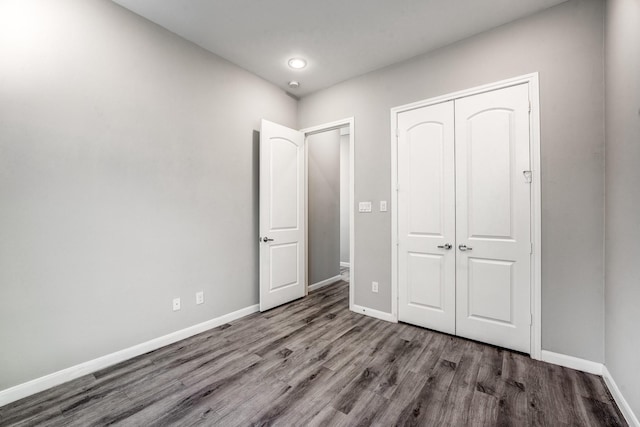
<point x="349" y="121"/>
<point x="536" y="210"/>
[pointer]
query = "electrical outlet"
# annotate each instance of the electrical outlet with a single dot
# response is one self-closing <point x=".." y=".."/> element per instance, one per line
<point x="176" y="304"/>
<point x="374" y="287"/>
<point x="200" y="297"/>
<point x="383" y="205"/>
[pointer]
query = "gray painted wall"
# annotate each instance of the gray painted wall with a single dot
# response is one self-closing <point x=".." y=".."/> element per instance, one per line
<point x="128" y="167"/>
<point x="128" y="177"/>
<point x="344" y="198"/>
<point x="324" y="205"/>
<point x="623" y="197"/>
<point x="565" y="45"/>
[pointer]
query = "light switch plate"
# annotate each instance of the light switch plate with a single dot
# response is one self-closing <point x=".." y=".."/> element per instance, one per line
<point x="364" y="207"/>
<point x="383" y="205"/>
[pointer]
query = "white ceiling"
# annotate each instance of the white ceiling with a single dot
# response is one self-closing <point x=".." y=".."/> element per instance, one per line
<point x="339" y="38"/>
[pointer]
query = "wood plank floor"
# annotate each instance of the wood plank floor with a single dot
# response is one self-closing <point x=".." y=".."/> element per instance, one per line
<point x="315" y="363"/>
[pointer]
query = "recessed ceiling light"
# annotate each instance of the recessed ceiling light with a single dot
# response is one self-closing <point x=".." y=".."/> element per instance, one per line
<point x="297" y="63"/>
<point x="294" y="84"/>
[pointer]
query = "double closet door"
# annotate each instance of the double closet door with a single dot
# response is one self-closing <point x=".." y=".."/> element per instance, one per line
<point x="464" y="221"/>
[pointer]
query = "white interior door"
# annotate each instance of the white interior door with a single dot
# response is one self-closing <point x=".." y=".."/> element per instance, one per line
<point x="493" y="224"/>
<point x="282" y="247"/>
<point x="426" y="217"/>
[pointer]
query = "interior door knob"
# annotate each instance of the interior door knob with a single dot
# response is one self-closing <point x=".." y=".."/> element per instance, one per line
<point x="266" y="239"/>
<point x="446" y="246"/>
<point x="464" y="248"/>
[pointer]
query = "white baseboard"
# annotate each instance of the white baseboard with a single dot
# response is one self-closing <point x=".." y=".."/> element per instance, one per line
<point x="597" y="369"/>
<point x="43" y="383"/>
<point x="388" y="317"/>
<point x="624" y="406"/>
<point x="345" y="264"/>
<point x="572" y="362"/>
<point x="325" y="282"/>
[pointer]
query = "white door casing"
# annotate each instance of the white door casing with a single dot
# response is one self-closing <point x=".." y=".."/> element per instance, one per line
<point x="282" y="215"/>
<point x="426" y="217"/>
<point x="493" y="221"/>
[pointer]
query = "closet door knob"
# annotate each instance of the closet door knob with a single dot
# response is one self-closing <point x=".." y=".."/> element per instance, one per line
<point x="464" y="248"/>
<point x="446" y="246"/>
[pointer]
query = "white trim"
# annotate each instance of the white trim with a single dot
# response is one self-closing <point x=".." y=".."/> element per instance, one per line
<point x="387" y="317"/>
<point x="536" y="208"/>
<point x="352" y="191"/>
<point x="325" y="282"/>
<point x="306" y="215"/>
<point x="597" y="369"/>
<point x="571" y="362"/>
<point x="536" y="219"/>
<point x="394" y="212"/>
<point x="352" y="211"/>
<point x="526" y="78"/>
<point x="328" y="126"/>
<point x="43" y="383"/>
<point x="624" y="406"/>
<point x="345" y="264"/>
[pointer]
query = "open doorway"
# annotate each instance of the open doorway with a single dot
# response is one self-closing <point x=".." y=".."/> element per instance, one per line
<point x="329" y="202"/>
<point x="327" y="207"/>
<point x="284" y="207"/>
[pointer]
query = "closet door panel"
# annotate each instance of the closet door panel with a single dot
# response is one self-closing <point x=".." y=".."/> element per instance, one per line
<point x="493" y="218"/>
<point x="426" y="217"/>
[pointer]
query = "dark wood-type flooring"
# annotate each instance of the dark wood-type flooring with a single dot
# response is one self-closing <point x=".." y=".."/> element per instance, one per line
<point x="315" y="363"/>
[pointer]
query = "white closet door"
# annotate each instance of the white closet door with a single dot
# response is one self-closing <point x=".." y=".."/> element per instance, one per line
<point x="493" y="218"/>
<point x="426" y="217"/>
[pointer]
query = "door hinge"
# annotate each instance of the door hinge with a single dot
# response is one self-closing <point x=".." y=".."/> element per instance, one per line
<point x="530" y="319"/>
<point x="528" y="176"/>
<point x="529" y="106"/>
<point x="397" y="132"/>
<point x="530" y="248"/>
